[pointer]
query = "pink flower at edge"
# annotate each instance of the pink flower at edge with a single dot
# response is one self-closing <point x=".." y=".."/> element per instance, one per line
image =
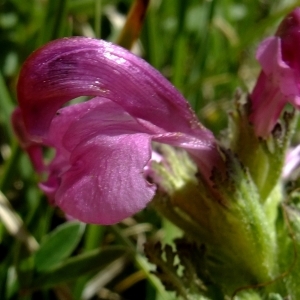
<point x="279" y="80"/>
<point x="103" y="146"/>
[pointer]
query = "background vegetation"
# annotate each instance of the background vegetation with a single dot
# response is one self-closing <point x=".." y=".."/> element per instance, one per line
<point x="205" y="48"/>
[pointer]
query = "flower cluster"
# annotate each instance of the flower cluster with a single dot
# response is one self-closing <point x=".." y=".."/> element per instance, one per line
<point x="103" y="146"/>
<point x="136" y="140"/>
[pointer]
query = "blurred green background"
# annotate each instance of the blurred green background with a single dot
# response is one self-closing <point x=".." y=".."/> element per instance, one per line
<point x="205" y="48"/>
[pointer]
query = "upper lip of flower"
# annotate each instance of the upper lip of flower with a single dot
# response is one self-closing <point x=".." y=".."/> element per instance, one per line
<point x="72" y="67"/>
<point x="134" y="104"/>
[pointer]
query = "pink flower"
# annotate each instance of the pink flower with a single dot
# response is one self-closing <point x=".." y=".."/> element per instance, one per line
<point x="279" y="80"/>
<point x="103" y="146"/>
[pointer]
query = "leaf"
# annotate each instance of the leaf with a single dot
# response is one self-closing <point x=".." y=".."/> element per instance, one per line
<point x="59" y="245"/>
<point x="75" y="267"/>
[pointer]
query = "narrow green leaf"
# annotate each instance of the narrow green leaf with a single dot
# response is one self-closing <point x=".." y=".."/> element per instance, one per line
<point x="55" y="22"/>
<point x="81" y="6"/>
<point x="58" y="245"/>
<point x="77" y="266"/>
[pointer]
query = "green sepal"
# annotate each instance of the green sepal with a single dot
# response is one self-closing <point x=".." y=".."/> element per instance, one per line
<point x="227" y="217"/>
<point x="245" y="239"/>
<point x="289" y="241"/>
<point x="264" y="158"/>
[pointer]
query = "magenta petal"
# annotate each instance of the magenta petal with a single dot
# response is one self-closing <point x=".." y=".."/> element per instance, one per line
<point x="102" y="153"/>
<point x="97" y="175"/>
<point x="269" y="62"/>
<point x="267" y="103"/>
<point x="270" y="57"/>
<point x="72" y="67"/>
<point x="279" y="81"/>
<point x="105" y="182"/>
<point x="275" y="87"/>
<point x="86" y="120"/>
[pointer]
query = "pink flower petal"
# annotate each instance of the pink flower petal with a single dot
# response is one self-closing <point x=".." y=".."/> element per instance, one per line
<point x="72" y="67"/>
<point x="101" y="154"/>
<point x="279" y="81"/>
<point x="105" y="183"/>
<point x="269" y="54"/>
